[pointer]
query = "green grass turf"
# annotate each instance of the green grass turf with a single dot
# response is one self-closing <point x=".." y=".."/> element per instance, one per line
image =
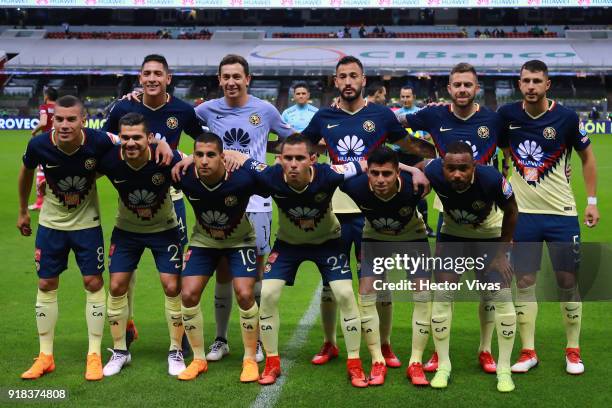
<point x="146" y="383"/>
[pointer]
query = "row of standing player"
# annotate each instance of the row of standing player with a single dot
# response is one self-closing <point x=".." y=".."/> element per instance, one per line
<point x="340" y="145"/>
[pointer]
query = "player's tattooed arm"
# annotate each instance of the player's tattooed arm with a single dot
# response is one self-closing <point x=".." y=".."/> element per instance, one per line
<point x="419" y="181"/>
<point x="501" y="262"/>
<point x="25" y="181"/>
<point x="417" y="146"/>
<point x="589" y="172"/>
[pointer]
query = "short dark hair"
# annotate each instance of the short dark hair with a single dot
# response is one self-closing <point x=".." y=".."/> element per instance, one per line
<point x="133" y="119"/>
<point x="301" y="85"/>
<point x="69" y="101"/>
<point x="461" y="68"/>
<point x="155" y="58"/>
<point x="230" y="59"/>
<point x="373" y="88"/>
<point x="349" y="59"/>
<point x="535" y="66"/>
<point x="459" y="147"/>
<point x="295" y="139"/>
<point x="209" y="137"/>
<point x="406" y="87"/>
<point x="383" y="155"/>
<point x="51" y="93"/>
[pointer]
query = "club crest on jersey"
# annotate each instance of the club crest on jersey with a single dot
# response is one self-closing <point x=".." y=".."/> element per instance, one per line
<point x="483" y="132"/>
<point x="478" y="205"/>
<point x="405" y="211"/>
<point x="319" y="197"/>
<point x="158" y="179"/>
<point x="369" y="126"/>
<point x="172" y="122"/>
<point x="255" y="119"/>
<point x="549" y="132"/>
<point x="90" y="163"/>
<point x="231" y="200"/>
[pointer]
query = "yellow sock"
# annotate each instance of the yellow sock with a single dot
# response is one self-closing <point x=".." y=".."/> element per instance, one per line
<point x="505" y="323"/>
<point x="441" y="318"/>
<point x="421" y="325"/>
<point x="130" y="295"/>
<point x="46" y="318"/>
<point x="269" y="320"/>
<point x="572" y="319"/>
<point x="174" y="319"/>
<point x="526" y="307"/>
<point x="249" y="326"/>
<point x="193" y="323"/>
<point x="385" y="315"/>
<point x="370" y="326"/>
<point x="329" y="311"/>
<point x="349" y="313"/>
<point x="95" y="314"/>
<point x="486" y="316"/>
<point x="117" y="314"/>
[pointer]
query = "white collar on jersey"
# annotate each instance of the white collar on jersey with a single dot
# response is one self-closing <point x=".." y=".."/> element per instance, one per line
<point x="399" y="188"/>
<point x="467" y="117"/>
<point x="160" y="106"/>
<point x="142" y="165"/>
<point x="54" y="141"/>
<point x="216" y="186"/>
<point x="551" y="105"/>
<point x="358" y="110"/>
<point x="312" y="174"/>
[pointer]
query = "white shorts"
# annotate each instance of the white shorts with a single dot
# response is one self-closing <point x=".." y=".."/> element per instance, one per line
<point x="262" y="224"/>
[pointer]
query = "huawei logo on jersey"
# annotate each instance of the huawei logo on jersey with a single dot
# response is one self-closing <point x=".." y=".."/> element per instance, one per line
<point x="387" y="225"/>
<point x="473" y="146"/>
<point x="530" y="150"/>
<point x="143" y="203"/>
<point x="71" y="190"/>
<point x="304" y="217"/>
<point x="463" y="217"/>
<point x="236" y="138"/>
<point x="214" y="217"/>
<point x="350" y="146"/>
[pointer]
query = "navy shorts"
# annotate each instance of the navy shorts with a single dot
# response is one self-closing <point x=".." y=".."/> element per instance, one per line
<point x="181" y="217"/>
<point x="285" y="259"/>
<point x="127" y="248"/>
<point x="351" y="230"/>
<point x="560" y="232"/>
<point x="459" y="248"/>
<point x="53" y="247"/>
<point x="203" y="261"/>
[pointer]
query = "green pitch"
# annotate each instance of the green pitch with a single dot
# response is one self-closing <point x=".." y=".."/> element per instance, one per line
<point x="146" y="382"/>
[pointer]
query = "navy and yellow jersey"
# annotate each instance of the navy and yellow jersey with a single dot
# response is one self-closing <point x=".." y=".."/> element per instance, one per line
<point x="475" y="212"/>
<point x="481" y="130"/>
<point x="220" y="209"/>
<point x="392" y="219"/>
<point x="144" y="201"/>
<point x="71" y="198"/>
<point x="351" y="136"/>
<point x="166" y="122"/>
<point x="541" y="149"/>
<point x="305" y="217"/>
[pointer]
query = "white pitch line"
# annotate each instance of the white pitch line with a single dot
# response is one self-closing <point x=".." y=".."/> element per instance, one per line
<point x="269" y="394"/>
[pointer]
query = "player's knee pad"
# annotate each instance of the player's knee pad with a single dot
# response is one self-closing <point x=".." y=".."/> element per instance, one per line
<point x="423" y="296"/>
<point x="270" y="294"/>
<point x="572" y="312"/>
<point x="527" y="294"/>
<point x="49" y="296"/>
<point x="569" y="294"/>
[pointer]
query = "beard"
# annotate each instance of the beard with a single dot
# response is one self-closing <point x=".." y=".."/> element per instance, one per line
<point x="351" y="98"/>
